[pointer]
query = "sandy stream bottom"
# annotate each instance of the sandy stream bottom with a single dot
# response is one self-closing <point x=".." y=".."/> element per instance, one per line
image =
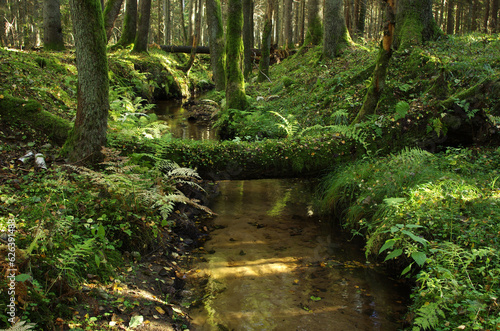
<point x="275" y="266"/>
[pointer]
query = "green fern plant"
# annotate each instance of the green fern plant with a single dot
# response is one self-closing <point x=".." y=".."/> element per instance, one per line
<point x="290" y="124"/>
<point x="68" y="261"/>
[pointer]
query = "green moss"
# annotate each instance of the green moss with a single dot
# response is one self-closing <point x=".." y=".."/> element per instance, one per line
<point x="17" y="110"/>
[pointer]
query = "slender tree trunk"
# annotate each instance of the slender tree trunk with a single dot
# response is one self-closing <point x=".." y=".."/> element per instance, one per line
<point x="3" y="19"/>
<point x="287" y="21"/>
<point x="196" y="37"/>
<point x="88" y="136"/>
<point x="235" y="84"/>
<point x="362" y="17"/>
<point x="142" y="35"/>
<point x="336" y="35"/>
<point x="378" y="80"/>
<point x="110" y="14"/>
<point x="494" y="16"/>
<point x="266" y="43"/>
<point x="302" y="22"/>
<point x="486" y="16"/>
<point x="129" y="24"/>
<point x="52" y="28"/>
<point x="277" y="22"/>
<point x="458" y="16"/>
<point x="450" y="27"/>
<point x="217" y="45"/>
<point x="167" y="32"/>
<point x="183" y="23"/>
<point x="474" y="15"/>
<point x="314" y="27"/>
<point x="441" y="14"/>
<point x="247" y="36"/>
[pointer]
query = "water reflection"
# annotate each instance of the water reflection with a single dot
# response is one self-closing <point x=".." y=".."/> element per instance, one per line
<point x="181" y="126"/>
<point x="276" y="267"/>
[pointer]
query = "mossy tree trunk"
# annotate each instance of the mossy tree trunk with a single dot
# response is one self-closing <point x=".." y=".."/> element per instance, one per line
<point x="88" y="136"/>
<point x="247" y="36"/>
<point x="378" y="79"/>
<point x="216" y="41"/>
<point x="336" y="35"/>
<point x="415" y="23"/>
<point x="314" y="27"/>
<point x="129" y="27"/>
<point x="183" y="23"/>
<point x="266" y="43"/>
<point x="287" y="23"/>
<point x="361" y="18"/>
<point x="196" y="37"/>
<point x="142" y="35"/>
<point x="235" y="85"/>
<point x="52" y="28"/>
<point x="110" y="14"/>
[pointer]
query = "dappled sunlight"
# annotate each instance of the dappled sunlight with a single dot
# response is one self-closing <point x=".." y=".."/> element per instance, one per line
<point x="267" y="271"/>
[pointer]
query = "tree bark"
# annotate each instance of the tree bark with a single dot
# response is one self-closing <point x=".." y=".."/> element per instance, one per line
<point x="141" y="37"/>
<point x="378" y="79"/>
<point x="336" y="35"/>
<point x="494" y="16"/>
<point x="266" y="43"/>
<point x="183" y="23"/>
<point x="216" y="42"/>
<point x="247" y="36"/>
<point x="89" y="133"/>
<point x="196" y="37"/>
<point x="361" y="18"/>
<point x="314" y="27"/>
<point x="415" y="23"/>
<point x="167" y="31"/>
<point x="235" y="85"/>
<point x="287" y="22"/>
<point x="52" y="28"/>
<point x="129" y="24"/>
<point x="110" y="14"/>
<point x="450" y="22"/>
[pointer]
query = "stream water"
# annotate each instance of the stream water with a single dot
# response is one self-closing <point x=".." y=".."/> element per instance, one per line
<point x="181" y="126"/>
<point x="274" y="265"/>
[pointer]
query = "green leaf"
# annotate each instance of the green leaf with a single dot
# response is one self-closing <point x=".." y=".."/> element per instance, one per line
<point x="419" y="257"/>
<point x="97" y="260"/>
<point x="101" y="232"/>
<point x="313" y="298"/>
<point x="394" y="201"/>
<point x="407" y="269"/>
<point x="135" y="321"/>
<point x="394" y="254"/>
<point x="22" y="277"/>
<point x="415" y="237"/>
<point x="388" y="244"/>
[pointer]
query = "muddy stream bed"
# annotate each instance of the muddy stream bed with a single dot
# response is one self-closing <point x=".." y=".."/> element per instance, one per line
<point x="272" y="264"/>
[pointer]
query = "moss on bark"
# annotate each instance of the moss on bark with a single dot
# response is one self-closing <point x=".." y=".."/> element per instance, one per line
<point x="336" y="35"/>
<point x="216" y="37"/>
<point x="235" y="88"/>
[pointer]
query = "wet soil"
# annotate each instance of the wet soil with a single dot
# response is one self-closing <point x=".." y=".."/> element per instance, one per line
<point x="272" y="264"/>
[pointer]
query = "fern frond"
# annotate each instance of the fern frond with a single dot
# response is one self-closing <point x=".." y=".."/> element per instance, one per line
<point x="21" y="326"/>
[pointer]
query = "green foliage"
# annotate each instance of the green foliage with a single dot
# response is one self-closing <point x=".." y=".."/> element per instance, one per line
<point x="433" y="216"/>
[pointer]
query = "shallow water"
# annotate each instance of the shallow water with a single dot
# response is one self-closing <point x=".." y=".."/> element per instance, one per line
<point x="275" y="266"/>
<point x="172" y="112"/>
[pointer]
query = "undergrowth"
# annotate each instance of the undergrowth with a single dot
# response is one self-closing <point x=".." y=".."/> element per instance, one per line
<point x="436" y="216"/>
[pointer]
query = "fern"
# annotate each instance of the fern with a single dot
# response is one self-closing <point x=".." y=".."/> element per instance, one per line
<point x="72" y="257"/>
<point x="21" y="326"/>
<point x="290" y="124"/>
<point x="429" y="316"/>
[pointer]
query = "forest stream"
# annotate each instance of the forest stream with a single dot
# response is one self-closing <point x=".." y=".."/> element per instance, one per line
<point x="272" y="264"/>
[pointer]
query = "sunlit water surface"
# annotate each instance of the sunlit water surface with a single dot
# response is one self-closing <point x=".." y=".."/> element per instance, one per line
<point x="276" y="266"/>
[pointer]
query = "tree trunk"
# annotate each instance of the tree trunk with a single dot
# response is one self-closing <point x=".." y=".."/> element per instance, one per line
<point x="458" y="16"/>
<point x="88" y="136"/>
<point x="247" y="36"/>
<point x="110" y="14"/>
<point x="167" y="31"/>
<point x="142" y="35"/>
<point x="287" y="21"/>
<point x="216" y="42"/>
<point x="3" y="20"/>
<point x="361" y="18"/>
<point x="314" y="27"/>
<point x="450" y="27"/>
<point x="494" y="16"/>
<point x="415" y="23"/>
<point x="196" y="37"/>
<point x="183" y="23"/>
<point x="266" y="43"/>
<point x="129" y="24"/>
<point x="235" y="85"/>
<point x="336" y="35"/>
<point x="378" y="80"/>
<point x="52" y="28"/>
